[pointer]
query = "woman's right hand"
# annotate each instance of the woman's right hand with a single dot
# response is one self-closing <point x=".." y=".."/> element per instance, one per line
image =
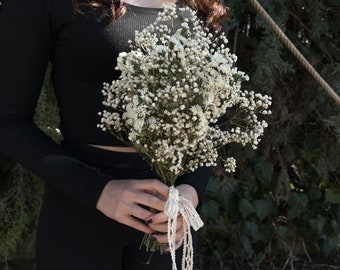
<point x="123" y="201"/>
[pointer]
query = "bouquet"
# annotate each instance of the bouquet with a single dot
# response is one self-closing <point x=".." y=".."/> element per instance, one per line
<point x="179" y="100"/>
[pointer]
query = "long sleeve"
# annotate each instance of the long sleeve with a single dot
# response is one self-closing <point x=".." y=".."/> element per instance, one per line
<point x="26" y="43"/>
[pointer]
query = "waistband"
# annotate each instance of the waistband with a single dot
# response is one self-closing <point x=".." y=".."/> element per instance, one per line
<point x="104" y="158"/>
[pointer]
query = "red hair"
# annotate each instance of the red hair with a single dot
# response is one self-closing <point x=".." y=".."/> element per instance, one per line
<point x="212" y="11"/>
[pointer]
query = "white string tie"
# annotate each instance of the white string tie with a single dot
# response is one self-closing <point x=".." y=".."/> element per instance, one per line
<point x="179" y="205"/>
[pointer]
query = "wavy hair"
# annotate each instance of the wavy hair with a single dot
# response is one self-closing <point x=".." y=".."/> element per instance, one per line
<point x="211" y="11"/>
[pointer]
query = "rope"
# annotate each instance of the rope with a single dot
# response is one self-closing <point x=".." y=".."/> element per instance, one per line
<point x="295" y="51"/>
<point x="174" y="206"/>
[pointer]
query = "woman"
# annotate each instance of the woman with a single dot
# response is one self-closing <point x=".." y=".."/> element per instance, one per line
<point x="100" y="195"/>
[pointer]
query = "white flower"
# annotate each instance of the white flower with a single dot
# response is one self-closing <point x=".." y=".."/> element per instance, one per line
<point x="134" y="117"/>
<point x="230" y="165"/>
<point x="175" y="85"/>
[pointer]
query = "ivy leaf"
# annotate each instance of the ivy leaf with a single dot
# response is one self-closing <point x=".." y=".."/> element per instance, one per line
<point x="264" y="171"/>
<point x="336" y="213"/>
<point x="333" y="195"/>
<point x="328" y="245"/>
<point x="264" y="208"/>
<point x="245" y="207"/>
<point x="282" y="231"/>
<point x="213" y="186"/>
<point x="297" y="204"/>
<point x="246" y="244"/>
<point x="210" y="210"/>
<point x="250" y="229"/>
<point x="314" y="194"/>
<point x="317" y="224"/>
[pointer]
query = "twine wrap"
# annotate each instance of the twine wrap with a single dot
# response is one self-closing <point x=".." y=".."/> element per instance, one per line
<point x="174" y="205"/>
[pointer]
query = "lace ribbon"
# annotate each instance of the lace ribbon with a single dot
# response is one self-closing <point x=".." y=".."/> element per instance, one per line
<point x="174" y="205"/>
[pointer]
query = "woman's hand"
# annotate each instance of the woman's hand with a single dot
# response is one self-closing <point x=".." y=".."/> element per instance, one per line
<point x="158" y="222"/>
<point x="123" y="201"/>
<point x="188" y="192"/>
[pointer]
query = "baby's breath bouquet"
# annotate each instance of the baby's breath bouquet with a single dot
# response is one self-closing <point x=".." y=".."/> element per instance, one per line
<point x="176" y="88"/>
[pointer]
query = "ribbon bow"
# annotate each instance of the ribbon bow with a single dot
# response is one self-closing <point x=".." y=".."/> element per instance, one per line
<point x="174" y="205"/>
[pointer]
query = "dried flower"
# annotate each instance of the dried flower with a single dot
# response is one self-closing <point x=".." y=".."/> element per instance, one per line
<point x="175" y="86"/>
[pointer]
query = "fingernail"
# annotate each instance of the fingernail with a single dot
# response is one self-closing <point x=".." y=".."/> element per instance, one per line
<point x="152" y="238"/>
<point x="149" y="221"/>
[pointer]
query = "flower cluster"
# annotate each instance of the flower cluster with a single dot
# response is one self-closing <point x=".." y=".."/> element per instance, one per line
<point x="179" y="97"/>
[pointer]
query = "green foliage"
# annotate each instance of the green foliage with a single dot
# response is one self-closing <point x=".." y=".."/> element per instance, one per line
<point x="248" y="226"/>
<point x="19" y="203"/>
<point x="284" y="200"/>
<point x="21" y="191"/>
<point x="47" y="112"/>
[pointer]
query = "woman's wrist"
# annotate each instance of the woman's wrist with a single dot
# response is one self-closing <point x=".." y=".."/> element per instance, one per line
<point x="188" y="192"/>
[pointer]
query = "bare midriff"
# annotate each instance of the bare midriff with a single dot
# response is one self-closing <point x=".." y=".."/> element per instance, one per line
<point x="122" y="149"/>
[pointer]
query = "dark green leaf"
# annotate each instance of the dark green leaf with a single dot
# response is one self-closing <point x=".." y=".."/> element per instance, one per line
<point x="264" y="208"/>
<point x="333" y="195"/>
<point x="314" y="194"/>
<point x="210" y="210"/>
<point x="297" y="204"/>
<point x="282" y="231"/>
<point x="245" y="207"/>
<point x="246" y="245"/>
<point x="317" y="224"/>
<point x="264" y="171"/>
<point x="250" y="229"/>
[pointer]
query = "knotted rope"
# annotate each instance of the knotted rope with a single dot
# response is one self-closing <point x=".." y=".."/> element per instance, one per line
<point x="295" y="51"/>
<point x="174" y="206"/>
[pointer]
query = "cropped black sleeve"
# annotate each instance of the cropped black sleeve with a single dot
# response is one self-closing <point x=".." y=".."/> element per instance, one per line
<point x="25" y="46"/>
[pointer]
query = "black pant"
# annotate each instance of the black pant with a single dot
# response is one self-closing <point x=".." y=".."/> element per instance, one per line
<point x="72" y="236"/>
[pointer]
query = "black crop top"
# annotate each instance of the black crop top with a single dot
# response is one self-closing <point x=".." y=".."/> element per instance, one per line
<point x="83" y="49"/>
